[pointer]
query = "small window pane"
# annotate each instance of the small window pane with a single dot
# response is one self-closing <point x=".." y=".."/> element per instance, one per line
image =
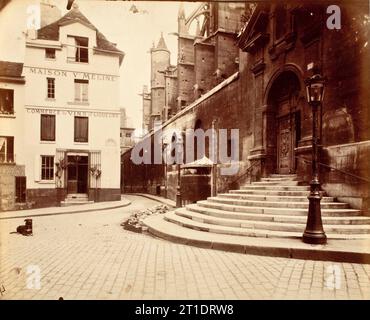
<point x="51" y="88"/>
<point x="47" y="167"/>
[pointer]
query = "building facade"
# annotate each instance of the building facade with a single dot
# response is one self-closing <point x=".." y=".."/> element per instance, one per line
<point x="12" y="160"/>
<point x="261" y="92"/>
<point x="71" y="113"/>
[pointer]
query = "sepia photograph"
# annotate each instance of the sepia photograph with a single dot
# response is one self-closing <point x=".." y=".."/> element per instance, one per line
<point x="182" y="151"/>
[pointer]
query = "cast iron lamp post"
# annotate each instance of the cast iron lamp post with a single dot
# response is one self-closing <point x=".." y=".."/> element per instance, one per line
<point x="165" y="144"/>
<point x="314" y="232"/>
<point x="178" y="155"/>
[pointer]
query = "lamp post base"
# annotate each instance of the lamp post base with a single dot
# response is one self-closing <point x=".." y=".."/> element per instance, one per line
<point x="314" y="232"/>
<point x="314" y="237"/>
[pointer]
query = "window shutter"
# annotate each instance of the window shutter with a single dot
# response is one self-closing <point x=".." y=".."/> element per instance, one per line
<point x="37" y="168"/>
<point x="71" y="49"/>
<point x="85" y="87"/>
<point x="77" y="91"/>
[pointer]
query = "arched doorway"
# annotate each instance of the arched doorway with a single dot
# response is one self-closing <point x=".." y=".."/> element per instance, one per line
<point x="284" y="126"/>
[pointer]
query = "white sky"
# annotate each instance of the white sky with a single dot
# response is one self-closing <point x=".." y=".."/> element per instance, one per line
<point x="133" y="33"/>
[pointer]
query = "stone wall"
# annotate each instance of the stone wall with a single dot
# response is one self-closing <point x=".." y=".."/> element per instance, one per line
<point x="350" y="184"/>
<point x="8" y="172"/>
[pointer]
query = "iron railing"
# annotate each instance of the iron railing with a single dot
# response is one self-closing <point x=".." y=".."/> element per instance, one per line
<point x="334" y="169"/>
<point x="245" y="173"/>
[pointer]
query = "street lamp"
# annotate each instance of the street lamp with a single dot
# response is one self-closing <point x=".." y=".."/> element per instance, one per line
<point x="165" y="144"/>
<point x="314" y="232"/>
<point x="179" y="157"/>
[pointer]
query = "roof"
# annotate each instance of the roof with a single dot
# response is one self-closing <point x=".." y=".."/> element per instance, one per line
<point x="11" y="69"/>
<point x="51" y="31"/>
<point x="161" y="43"/>
<point x="204" y="162"/>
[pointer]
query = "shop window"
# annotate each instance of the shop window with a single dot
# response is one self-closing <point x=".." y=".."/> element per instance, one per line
<point x="47" y="127"/>
<point x="47" y="167"/>
<point x="6" y="101"/>
<point x="81" y="129"/>
<point x="6" y="149"/>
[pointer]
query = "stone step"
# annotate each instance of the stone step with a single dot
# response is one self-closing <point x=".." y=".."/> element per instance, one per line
<point x="77" y="196"/>
<point x="268" y="225"/>
<point x="277" y="175"/>
<point x="351" y="251"/>
<point x="73" y="203"/>
<point x="273" y="192"/>
<point x="278" y="211"/>
<point x="275" y="188"/>
<point x="277" y="179"/>
<point x="276" y="204"/>
<point x="249" y="232"/>
<point x="331" y="220"/>
<point x="270" y="198"/>
<point x="76" y="200"/>
<point x="279" y="183"/>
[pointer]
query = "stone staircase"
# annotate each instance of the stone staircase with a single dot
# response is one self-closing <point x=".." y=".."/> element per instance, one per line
<point x="75" y="199"/>
<point x="275" y="207"/>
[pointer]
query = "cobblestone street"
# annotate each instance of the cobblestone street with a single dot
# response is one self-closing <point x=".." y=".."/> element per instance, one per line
<point x="90" y="256"/>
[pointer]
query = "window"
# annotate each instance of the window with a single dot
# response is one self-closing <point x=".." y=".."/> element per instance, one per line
<point x="6" y="149"/>
<point x="20" y="189"/>
<point x="81" y="90"/>
<point x="47" y="167"/>
<point x="49" y="53"/>
<point x="78" y="49"/>
<point x="81" y="129"/>
<point x="128" y="135"/>
<point x="47" y="127"/>
<point x="281" y="21"/>
<point x="6" y="101"/>
<point x="51" y="88"/>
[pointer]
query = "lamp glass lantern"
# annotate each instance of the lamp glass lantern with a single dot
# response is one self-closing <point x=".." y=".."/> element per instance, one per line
<point x="315" y="89"/>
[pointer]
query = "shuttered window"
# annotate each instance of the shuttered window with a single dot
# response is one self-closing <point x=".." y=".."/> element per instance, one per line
<point x="47" y="127"/>
<point x="81" y="129"/>
<point x="81" y="90"/>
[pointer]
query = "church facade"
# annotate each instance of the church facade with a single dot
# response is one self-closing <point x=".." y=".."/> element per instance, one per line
<point x="245" y="69"/>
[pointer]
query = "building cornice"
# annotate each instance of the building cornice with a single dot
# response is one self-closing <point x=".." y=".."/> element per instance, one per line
<point x="18" y="80"/>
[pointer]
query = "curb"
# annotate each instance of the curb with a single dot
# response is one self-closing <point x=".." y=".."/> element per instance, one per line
<point x="284" y="252"/>
<point x="69" y="212"/>
<point x="151" y="197"/>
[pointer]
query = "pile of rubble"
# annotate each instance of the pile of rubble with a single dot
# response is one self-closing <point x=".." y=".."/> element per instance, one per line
<point x="135" y="221"/>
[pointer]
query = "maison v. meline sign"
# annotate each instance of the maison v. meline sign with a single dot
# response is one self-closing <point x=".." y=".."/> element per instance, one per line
<point x="69" y="73"/>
